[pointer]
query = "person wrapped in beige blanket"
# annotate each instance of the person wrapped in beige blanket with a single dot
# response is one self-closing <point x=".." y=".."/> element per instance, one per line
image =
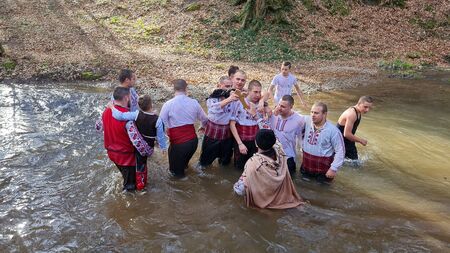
<point x="266" y="182"/>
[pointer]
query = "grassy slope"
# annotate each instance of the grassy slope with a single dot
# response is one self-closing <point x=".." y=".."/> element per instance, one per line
<point x="162" y="40"/>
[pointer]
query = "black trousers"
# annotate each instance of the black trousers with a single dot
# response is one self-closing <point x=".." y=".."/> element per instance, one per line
<point x="350" y="150"/>
<point x="241" y="159"/>
<point x="179" y="156"/>
<point x="320" y="177"/>
<point x="291" y="165"/>
<point x="212" y="149"/>
<point x="129" y="177"/>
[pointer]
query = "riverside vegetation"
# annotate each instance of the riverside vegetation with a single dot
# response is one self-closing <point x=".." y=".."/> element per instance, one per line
<point x="197" y="40"/>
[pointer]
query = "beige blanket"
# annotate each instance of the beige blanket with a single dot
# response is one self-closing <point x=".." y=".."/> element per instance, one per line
<point x="268" y="182"/>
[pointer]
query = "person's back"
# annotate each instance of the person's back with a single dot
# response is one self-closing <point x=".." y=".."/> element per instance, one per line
<point x="146" y="125"/>
<point x="265" y="181"/>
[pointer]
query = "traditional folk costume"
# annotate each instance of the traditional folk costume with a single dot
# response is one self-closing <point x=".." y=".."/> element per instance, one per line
<point x="323" y="149"/>
<point x="217" y="141"/>
<point x="146" y="130"/>
<point x="247" y="127"/>
<point x="266" y="183"/>
<point x="350" y="148"/>
<point x="288" y="131"/>
<point x="119" y="147"/>
<point x="179" y="115"/>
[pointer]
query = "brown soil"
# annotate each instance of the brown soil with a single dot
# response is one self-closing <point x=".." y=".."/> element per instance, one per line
<point x="59" y="40"/>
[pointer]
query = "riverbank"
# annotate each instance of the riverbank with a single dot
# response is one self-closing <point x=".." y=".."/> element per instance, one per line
<point x="164" y="40"/>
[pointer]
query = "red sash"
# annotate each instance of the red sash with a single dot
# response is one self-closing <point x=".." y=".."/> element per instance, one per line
<point x="316" y="164"/>
<point x="247" y="133"/>
<point x="181" y="134"/>
<point x="217" y="132"/>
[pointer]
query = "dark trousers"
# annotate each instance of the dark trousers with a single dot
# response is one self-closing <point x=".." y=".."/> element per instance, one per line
<point x="291" y="165"/>
<point x="212" y="149"/>
<point x="241" y="159"/>
<point x="350" y="150"/>
<point x="320" y="177"/>
<point x="179" y="156"/>
<point x="129" y="177"/>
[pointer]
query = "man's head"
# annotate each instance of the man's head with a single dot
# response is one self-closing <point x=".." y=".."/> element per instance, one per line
<point x="265" y="139"/>
<point x="232" y="70"/>
<point x="319" y="113"/>
<point x="179" y="85"/>
<point x="285" y="68"/>
<point x="254" y="91"/>
<point x="145" y="103"/>
<point x="364" y="104"/>
<point x="121" y="95"/>
<point x="239" y="79"/>
<point x="127" y="78"/>
<point x="225" y="83"/>
<point x="285" y="105"/>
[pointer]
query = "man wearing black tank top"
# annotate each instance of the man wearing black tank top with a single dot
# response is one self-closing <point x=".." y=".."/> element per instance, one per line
<point x="348" y="123"/>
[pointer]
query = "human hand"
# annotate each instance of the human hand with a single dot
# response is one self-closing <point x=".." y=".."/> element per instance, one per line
<point x="242" y="149"/>
<point x="305" y="105"/>
<point x="363" y="142"/>
<point x="276" y="111"/>
<point x="110" y="104"/>
<point x="330" y="173"/>
<point x="233" y="96"/>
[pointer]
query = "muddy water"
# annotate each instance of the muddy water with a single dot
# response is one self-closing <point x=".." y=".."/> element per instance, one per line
<point x="59" y="191"/>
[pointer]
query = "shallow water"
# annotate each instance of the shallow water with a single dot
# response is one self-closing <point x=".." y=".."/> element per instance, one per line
<point x="59" y="191"/>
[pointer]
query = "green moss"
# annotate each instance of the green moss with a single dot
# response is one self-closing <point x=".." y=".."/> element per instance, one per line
<point x="193" y="7"/>
<point x="267" y="46"/>
<point x="413" y="55"/>
<point x="399" y="68"/>
<point x="115" y="20"/>
<point x="337" y="7"/>
<point x="396" y="65"/>
<point x="9" y="65"/>
<point x="90" y="76"/>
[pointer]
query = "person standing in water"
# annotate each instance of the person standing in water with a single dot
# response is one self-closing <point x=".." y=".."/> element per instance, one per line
<point x="348" y="124"/>
<point x="323" y="146"/>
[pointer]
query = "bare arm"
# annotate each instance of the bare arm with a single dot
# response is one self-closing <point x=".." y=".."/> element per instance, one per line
<point x="300" y="95"/>
<point x="349" y="122"/>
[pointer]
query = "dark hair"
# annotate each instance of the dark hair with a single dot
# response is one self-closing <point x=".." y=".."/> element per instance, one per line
<point x="287" y="64"/>
<point x="367" y="99"/>
<point x="232" y="70"/>
<point x="145" y="102"/>
<point x="253" y="83"/>
<point x="124" y="74"/>
<point x="179" y="85"/>
<point x="289" y="99"/>
<point x="323" y="105"/>
<point x="120" y="92"/>
<point x="265" y="139"/>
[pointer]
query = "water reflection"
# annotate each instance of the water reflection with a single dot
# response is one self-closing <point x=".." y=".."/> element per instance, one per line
<point x="59" y="192"/>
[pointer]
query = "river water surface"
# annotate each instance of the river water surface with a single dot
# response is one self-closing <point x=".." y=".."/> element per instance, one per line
<point x="59" y="191"/>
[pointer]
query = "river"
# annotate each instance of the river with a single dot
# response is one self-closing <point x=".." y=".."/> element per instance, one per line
<point x="59" y="192"/>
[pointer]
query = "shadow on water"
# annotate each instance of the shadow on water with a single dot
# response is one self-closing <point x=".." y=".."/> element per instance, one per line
<point x="59" y="191"/>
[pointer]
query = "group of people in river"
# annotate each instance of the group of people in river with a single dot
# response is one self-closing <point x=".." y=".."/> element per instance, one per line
<point x="239" y="123"/>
